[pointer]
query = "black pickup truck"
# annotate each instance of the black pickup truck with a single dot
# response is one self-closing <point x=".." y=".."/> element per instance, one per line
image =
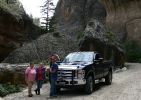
<point x="82" y="69"/>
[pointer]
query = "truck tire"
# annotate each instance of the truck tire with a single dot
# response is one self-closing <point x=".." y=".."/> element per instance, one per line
<point x="89" y="85"/>
<point x="108" y="78"/>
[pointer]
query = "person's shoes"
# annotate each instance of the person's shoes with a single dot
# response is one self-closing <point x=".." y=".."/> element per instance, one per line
<point x="30" y="95"/>
<point x="50" y="97"/>
<point x="54" y="96"/>
<point x="36" y="91"/>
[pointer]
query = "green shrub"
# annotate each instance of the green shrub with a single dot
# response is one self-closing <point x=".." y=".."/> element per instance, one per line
<point x="11" y="88"/>
<point x="79" y="35"/>
<point x="6" y="89"/>
<point x="3" y="91"/>
<point x="110" y="36"/>
<point x="133" y="51"/>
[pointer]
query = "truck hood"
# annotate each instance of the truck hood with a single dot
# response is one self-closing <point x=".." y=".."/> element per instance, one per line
<point x="72" y="66"/>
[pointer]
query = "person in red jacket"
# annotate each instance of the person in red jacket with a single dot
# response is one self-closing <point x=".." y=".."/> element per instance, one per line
<point x="40" y="77"/>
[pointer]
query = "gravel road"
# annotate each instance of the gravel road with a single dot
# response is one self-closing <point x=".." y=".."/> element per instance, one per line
<point x="126" y="86"/>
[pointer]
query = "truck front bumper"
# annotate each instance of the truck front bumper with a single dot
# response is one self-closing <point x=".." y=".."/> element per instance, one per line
<point x="71" y="82"/>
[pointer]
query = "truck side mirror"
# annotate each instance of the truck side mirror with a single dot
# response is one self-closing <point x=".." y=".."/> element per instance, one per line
<point x="58" y="62"/>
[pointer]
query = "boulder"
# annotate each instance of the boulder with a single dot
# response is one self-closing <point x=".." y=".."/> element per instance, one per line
<point x="13" y="74"/>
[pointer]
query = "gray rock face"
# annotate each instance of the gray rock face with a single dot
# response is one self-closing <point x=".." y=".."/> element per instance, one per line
<point x="123" y="18"/>
<point x="15" y="28"/>
<point x="74" y="17"/>
<point x="133" y="30"/>
<point x="40" y="49"/>
<point x="95" y="39"/>
<point x="96" y="30"/>
<point x="94" y="33"/>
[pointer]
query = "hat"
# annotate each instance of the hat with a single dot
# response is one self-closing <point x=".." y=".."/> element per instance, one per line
<point x="58" y="58"/>
<point x="55" y="55"/>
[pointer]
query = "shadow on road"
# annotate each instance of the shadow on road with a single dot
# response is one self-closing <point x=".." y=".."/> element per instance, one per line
<point x="79" y="91"/>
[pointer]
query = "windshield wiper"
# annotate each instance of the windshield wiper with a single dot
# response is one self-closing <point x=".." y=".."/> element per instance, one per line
<point x="78" y="61"/>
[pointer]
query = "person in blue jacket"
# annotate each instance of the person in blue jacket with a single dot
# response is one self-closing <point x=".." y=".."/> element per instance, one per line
<point x="53" y="76"/>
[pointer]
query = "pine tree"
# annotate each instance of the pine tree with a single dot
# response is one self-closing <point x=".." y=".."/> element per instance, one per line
<point x="47" y="8"/>
<point x="52" y="22"/>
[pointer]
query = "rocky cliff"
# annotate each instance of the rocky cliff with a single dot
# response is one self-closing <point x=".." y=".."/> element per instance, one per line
<point x="80" y="25"/>
<point x="124" y="18"/>
<point x="86" y="20"/>
<point x="15" y="28"/>
<point x="86" y="25"/>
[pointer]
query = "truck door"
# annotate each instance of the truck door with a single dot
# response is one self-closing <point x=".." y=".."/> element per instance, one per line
<point x="99" y="69"/>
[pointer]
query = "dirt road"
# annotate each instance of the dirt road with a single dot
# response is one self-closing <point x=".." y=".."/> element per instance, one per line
<point x="126" y="86"/>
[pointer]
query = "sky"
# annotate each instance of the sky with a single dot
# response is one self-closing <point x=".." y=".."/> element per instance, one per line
<point x="33" y="7"/>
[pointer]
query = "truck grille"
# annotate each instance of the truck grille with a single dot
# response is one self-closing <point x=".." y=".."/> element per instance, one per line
<point x="69" y="77"/>
<point x="67" y="74"/>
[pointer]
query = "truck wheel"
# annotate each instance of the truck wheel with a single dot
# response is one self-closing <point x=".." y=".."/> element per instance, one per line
<point x="108" y="78"/>
<point x="89" y="85"/>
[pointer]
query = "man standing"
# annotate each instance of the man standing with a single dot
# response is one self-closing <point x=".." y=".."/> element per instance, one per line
<point x="50" y="63"/>
<point x="53" y="76"/>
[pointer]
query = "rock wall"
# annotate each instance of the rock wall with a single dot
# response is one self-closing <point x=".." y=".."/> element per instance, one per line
<point x="14" y="30"/>
<point x="40" y="49"/>
<point x="80" y="25"/>
<point x="12" y="73"/>
<point x="124" y="18"/>
<point x="72" y="16"/>
<point x="76" y="20"/>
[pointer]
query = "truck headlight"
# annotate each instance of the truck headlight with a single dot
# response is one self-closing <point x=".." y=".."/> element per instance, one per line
<point x="80" y="73"/>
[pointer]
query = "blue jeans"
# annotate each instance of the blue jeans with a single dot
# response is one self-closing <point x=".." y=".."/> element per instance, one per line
<point x="53" y="88"/>
<point x="39" y="84"/>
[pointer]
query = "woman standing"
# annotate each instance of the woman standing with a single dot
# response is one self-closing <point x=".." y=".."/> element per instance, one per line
<point x="30" y="74"/>
<point x="40" y="77"/>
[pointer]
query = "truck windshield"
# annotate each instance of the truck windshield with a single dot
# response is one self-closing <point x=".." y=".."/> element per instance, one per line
<point x="79" y="57"/>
